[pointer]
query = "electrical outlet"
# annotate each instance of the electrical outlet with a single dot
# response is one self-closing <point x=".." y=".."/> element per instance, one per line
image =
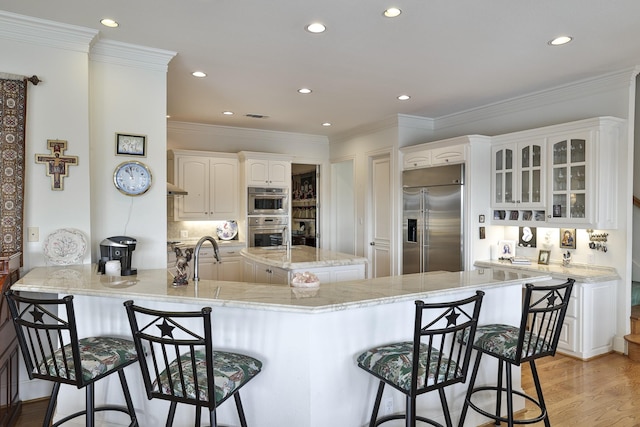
<point x="184" y="234"/>
<point x="388" y="406"/>
<point x="33" y="234"/>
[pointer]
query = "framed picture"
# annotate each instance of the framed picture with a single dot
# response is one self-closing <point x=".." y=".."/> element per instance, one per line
<point x="568" y="238"/>
<point x="543" y="257"/>
<point x="527" y="237"/>
<point x="131" y="145"/>
<point x="506" y="249"/>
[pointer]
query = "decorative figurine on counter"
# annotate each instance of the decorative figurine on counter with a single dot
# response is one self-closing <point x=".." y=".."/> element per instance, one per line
<point x="182" y="266"/>
<point x="566" y="259"/>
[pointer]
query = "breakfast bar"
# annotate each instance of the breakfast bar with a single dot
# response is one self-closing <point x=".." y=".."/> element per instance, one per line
<point x="307" y="339"/>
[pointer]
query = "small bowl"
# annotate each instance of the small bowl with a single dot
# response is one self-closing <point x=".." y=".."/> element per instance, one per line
<point x="296" y="284"/>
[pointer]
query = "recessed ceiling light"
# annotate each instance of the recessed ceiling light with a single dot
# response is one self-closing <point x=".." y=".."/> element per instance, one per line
<point x="404" y="97"/>
<point x="560" y="40"/>
<point x="392" y="12"/>
<point x="198" y="74"/>
<point x="327" y="124"/>
<point x="304" y="90"/>
<point x="107" y="22"/>
<point x="228" y="113"/>
<point x="316" y="28"/>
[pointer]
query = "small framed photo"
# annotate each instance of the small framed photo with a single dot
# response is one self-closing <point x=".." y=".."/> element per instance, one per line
<point x="506" y="249"/>
<point x="543" y="257"/>
<point x="568" y="238"/>
<point x="482" y="233"/>
<point x="128" y="144"/>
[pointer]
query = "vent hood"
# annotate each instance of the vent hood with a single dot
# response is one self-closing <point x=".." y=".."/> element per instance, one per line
<point x="174" y="190"/>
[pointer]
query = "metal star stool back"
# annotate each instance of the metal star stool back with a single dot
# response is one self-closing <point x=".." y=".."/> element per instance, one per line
<point x="543" y="313"/>
<point x="181" y="365"/>
<point x="433" y="360"/>
<point x="52" y="351"/>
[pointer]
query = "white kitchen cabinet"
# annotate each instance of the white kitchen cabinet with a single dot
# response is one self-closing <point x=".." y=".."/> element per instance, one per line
<point x="269" y="173"/>
<point x="589" y="327"/>
<point x="230" y="266"/>
<point x="572" y="183"/>
<point x="211" y="179"/>
<point x="262" y="273"/>
<point x="434" y="154"/>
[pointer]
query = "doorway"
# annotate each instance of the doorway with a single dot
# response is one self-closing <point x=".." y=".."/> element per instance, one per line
<point x="305" y="212"/>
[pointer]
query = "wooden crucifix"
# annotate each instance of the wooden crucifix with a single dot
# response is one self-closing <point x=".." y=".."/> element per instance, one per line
<point x="56" y="162"/>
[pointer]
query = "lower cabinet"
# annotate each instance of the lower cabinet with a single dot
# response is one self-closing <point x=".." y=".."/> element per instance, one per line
<point x="229" y="268"/>
<point x="589" y="325"/>
<point x="262" y="273"/>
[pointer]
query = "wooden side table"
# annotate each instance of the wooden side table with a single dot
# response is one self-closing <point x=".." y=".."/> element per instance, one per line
<point x="10" y="403"/>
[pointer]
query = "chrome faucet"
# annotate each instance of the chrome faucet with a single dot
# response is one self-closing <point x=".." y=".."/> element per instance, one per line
<point x="287" y="241"/>
<point x="196" y="254"/>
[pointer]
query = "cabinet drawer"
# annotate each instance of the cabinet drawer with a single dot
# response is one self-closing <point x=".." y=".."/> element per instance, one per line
<point x="444" y="155"/>
<point x="419" y="159"/>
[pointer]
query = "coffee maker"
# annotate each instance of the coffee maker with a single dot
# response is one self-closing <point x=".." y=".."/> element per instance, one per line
<point x="117" y="248"/>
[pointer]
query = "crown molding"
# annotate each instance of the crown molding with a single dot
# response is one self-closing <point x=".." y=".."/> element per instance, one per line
<point x="540" y="99"/>
<point x="46" y="33"/>
<point x="113" y="52"/>
<point x="243" y="133"/>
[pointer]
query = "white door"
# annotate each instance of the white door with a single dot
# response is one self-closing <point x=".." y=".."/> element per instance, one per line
<point x="380" y="216"/>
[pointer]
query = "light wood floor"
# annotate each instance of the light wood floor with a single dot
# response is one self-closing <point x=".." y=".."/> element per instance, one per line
<point x="602" y="392"/>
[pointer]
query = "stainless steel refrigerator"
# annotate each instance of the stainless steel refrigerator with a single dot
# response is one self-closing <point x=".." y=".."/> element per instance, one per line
<point x="432" y="219"/>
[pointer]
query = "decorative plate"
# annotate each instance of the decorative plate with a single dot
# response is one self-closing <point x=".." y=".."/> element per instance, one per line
<point x="228" y="230"/>
<point x="65" y="246"/>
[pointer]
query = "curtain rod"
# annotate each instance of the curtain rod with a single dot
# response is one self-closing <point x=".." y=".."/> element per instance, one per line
<point x="33" y="79"/>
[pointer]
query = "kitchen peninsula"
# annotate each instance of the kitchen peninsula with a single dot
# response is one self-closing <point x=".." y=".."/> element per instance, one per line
<point x="277" y="264"/>
<point x="307" y="339"/>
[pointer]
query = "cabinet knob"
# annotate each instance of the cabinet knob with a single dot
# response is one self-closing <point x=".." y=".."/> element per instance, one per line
<point x="372" y="243"/>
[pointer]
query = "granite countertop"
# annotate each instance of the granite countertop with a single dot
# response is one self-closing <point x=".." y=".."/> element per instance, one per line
<point x="156" y="285"/>
<point x="300" y="257"/>
<point x="580" y="272"/>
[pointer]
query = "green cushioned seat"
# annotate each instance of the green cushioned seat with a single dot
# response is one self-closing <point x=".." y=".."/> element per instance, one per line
<point x="502" y="341"/>
<point x="99" y="355"/>
<point x="393" y="362"/>
<point x="231" y="371"/>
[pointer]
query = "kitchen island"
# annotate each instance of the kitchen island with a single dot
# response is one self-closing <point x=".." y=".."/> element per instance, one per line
<point x="307" y="339"/>
<point x="277" y="264"/>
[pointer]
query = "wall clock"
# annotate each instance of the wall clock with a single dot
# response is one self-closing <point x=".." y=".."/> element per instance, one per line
<point x="132" y="178"/>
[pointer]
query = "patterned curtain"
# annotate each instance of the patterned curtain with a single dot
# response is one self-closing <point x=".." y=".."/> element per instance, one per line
<point x="13" y="111"/>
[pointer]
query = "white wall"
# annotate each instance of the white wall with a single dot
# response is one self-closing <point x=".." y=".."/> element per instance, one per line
<point x="83" y="101"/>
<point x="58" y="108"/>
<point x="128" y="95"/>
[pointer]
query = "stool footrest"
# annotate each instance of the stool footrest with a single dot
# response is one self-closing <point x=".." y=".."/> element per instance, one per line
<point x="493" y="416"/>
<point x="386" y="418"/>
<point x="123" y="409"/>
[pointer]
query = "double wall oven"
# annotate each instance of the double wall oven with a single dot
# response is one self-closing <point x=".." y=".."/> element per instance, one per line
<point x="268" y="220"/>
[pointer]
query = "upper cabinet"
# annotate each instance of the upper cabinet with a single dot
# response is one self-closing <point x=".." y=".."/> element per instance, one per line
<point x="266" y="170"/>
<point x="561" y="175"/>
<point x="434" y="154"/>
<point x="518" y="178"/>
<point x="211" y="179"/>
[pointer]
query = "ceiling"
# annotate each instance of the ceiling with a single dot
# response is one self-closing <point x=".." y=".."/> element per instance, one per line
<point x="448" y="55"/>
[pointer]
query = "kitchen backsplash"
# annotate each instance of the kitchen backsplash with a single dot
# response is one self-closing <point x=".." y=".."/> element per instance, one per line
<point x="176" y="230"/>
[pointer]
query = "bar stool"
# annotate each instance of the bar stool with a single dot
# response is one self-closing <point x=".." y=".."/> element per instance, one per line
<point x="52" y="351"/>
<point x="544" y="309"/>
<point x="180" y="364"/>
<point x="433" y="360"/>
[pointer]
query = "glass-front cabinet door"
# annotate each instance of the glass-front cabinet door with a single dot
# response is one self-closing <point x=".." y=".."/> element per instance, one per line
<point x="532" y="171"/>
<point x="569" y="188"/>
<point x="504" y="176"/>
<point x="518" y="176"/>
